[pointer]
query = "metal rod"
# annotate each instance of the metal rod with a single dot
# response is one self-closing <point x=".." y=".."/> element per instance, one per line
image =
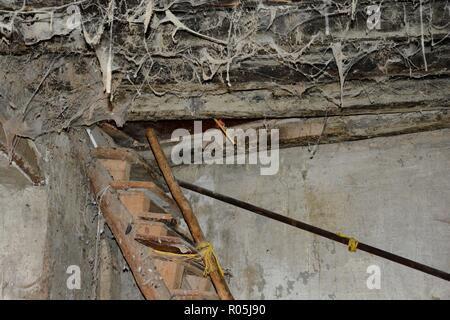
<point x="318" y="231"/>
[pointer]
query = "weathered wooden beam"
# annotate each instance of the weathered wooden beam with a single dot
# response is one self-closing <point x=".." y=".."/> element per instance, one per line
<point x="360" y="97"/>
<point x="166" y="243"/>
<point x="252" y="99"/>
<point x="325" y="130"/>
<point x="160" y="217"/>
<point x="215" y="272"/>
<point x="255" y="99"/>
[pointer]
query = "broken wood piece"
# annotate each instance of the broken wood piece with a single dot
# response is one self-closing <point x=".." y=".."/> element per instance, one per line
<point x="168" y="244"/>
<point x="171" y="272"/>
<point x="118" y="169"/>
<point x="159" y="217"/>
<point x="221" y="125"/>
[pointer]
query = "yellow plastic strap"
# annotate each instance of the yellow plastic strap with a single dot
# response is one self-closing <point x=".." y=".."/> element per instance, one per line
<point x="205" y="252"/>
<point x="352" y="242"/>
<point x="209" y="257"/>
<point x="177" y="255"/>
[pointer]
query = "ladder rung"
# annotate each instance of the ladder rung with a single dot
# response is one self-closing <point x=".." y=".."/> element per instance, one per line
<point x="166" y="243"/>
<point x="166" y="218"/>
<point x="126" y="185"/>
<point x="156" y="229"/>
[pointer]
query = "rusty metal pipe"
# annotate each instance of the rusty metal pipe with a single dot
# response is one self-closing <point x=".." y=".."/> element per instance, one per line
<point x="316" y="230"/>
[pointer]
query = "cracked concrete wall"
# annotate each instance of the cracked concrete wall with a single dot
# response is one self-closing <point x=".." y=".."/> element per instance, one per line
<point x="392" y="193"/>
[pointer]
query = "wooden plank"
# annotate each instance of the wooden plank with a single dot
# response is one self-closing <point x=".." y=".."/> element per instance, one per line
<point x="154" y="229"/>
<point x="300" y="132"/>
<point x="166" y="243"/>
<point x="360" y="97"/>
<point x="160" y="217"/>
<point x="333" y="129"/>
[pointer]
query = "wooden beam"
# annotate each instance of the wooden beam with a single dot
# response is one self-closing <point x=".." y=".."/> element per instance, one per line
<point x="360" y="97"/>
<point x="173" y="244"/>
<point x="303" y="132"/>
<point x="217" y="277"/>
<point x="160" y="217"/>
<point x="295" y="132"/>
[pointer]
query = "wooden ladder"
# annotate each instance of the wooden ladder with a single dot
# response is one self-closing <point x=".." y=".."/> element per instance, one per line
<point x="145" y="223"/>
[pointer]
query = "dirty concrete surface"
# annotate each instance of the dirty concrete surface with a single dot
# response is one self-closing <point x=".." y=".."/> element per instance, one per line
<point x="23" y="225"/>
<point x="46" y="229"/>
<point x="389" y="192"/>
